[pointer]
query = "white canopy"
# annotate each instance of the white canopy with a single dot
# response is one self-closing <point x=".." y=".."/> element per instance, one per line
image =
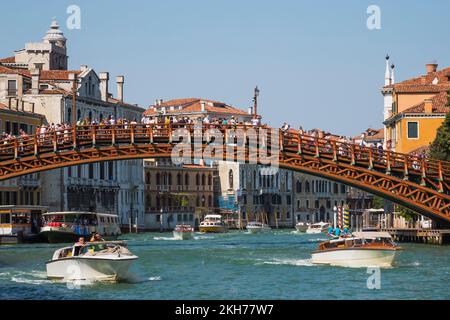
<point x="371" y="234"/>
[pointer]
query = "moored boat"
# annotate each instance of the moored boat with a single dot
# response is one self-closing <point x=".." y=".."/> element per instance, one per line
<point x="257" y="227"/>
<point x="362" y="249"/>
<point x="183" y="232"/>
<point x="66" y="227"/>
<point x="213" y="223"/>
<point x="320" y="227"/>
<point x="95" y="261"/>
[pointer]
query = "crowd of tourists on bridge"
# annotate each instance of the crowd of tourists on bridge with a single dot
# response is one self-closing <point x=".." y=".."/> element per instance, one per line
<point x="63" y="133"/>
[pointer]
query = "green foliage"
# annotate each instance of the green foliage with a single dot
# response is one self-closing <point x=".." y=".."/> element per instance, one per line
<point x="440" y="148"/>
<point x="378" y="202"/>
<point x="406" y="213"/>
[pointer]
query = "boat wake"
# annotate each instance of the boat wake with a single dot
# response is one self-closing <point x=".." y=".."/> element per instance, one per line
<point x="291" y="262"/>
<point x="164" y="238"/>
<point x="34" y="277"/>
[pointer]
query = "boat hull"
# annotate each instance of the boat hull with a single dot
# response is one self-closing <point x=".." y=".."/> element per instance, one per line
<point x="356" y="258"/>
<point x="183" y="235"/>
<point x="91" y="269"/>
<point x="301" y="228"/>
<point x="213" y="229"/>
<point x="314" y="231"/>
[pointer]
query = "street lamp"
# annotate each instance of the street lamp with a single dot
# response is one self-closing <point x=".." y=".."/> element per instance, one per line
<point x="255" y="101"/>
<point x="334" y="216"/>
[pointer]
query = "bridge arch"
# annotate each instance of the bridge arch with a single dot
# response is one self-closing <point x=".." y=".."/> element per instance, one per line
<point x="419" y="184"/>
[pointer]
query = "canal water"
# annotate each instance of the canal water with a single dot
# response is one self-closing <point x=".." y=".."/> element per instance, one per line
<point x="236" y="265"/>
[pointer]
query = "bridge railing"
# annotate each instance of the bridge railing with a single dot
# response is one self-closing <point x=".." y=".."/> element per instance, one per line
<point x="290" y="141"/>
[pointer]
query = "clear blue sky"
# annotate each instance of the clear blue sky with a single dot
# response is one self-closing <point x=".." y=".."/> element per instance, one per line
<point x="316" y="63"/>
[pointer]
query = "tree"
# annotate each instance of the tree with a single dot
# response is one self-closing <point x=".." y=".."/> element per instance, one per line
<point x="378" y="202"/>
<point x="440" y="148"/>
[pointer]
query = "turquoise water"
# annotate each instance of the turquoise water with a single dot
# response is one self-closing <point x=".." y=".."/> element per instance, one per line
<point x="236" y="265"/>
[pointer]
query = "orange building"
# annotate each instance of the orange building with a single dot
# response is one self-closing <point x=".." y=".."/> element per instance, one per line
<point x="415" y="109"/>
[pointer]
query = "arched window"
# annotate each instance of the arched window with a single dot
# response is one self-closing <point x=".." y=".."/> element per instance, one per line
<point x="158" y="179"/>
<point x="197" y="179"/>
<point x="203" y="179"/>
<point x="170" y="179"/>
<point x="230" y="179"/>
<point x="69" y="115"/>
<point x="254" y="179"/>
<point x="186" y="179"/>
<point x="298" y="186"/>
<point x="147" y="178"/>
<point x="78" y="114"/>
<point x="307" y="186"/>
<point x="179" y="180"/>
<point x="90" y="115"/>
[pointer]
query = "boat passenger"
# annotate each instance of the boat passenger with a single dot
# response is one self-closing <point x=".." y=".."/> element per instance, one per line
<point x="337" y="232"/>
<point x="80" y="242"/>
<point x="330" y="231"/>
<point x="96" y="237"/>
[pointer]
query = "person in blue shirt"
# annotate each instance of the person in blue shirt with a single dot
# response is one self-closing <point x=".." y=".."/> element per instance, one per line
<point x="346" y="231"/>
<point x="337" y="232"/>
<point x="330" y="231"/>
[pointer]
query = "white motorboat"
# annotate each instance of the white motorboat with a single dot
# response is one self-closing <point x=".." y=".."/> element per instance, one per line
<point x="183" y="232"/>
<point x="213" y="223"/>
<point x="257" y="227"/>
<point x="302" y="226"/>
<point x="320" y="227"/>
<point x="95" y="261"/>
<point x="362" y="249"/>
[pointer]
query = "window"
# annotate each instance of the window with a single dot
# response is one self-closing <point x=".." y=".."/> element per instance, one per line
<point x="186" y="179"/>
<point x="91" y="171"/>
<point x="230" y="179"/>
<point x="298" y="186"/>
<point x="413" y="130"/>
<point x="110" y="170"/>
<point x="12" y="87"/>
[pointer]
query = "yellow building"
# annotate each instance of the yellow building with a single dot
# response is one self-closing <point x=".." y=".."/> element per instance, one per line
<point x="418" y="108"/>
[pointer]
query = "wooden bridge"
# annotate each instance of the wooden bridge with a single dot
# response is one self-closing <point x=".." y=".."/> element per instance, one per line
<point x="420" y="184"/>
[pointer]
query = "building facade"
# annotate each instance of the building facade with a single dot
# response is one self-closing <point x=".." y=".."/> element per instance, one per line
<point x="415" y="109"/>
<point x="25" y="190"/>
<point x="37" y="79"/>
<point x="177" y="193"/>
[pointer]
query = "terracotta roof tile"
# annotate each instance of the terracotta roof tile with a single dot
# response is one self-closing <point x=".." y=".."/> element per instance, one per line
<point x="8" y="60"/>
<point x="425" y="83"/>
<point x="439" y="103"/>
<point x="192" y="105"/>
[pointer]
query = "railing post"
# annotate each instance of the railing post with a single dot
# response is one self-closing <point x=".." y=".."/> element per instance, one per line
<point x="113" y="135"/>
<point x="317" y="147"/>
<point x="405" y="166"/>
<point x="299" y="137"/>
<point x="55" y="142"/>
<point x="16" y="148"/>
<point x="35" y="145"/>
<point x="335" y="157"/>
<point x="280" y="139"/>
<point x="424" y="173"/>
<point x="132" y="133"/>
<point x="440" y="177"/>
<point x="370" y="159"/>
<point x="74" y="136"/>
<point x="353" y="161"/>
<point x="94" y="135"/>
<point x="151" y="134"/>
<point x="388" y="162"/>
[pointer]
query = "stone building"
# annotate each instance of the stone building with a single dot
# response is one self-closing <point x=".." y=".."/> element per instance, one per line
<point x="259" y="192"/>
<point x="25" y="190"/>
<point x="177" y="193"/>
<point x="315" y="198"/>
<point x="37" y="79"/>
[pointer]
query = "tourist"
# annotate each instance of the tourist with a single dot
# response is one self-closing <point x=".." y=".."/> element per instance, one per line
<point x="96" y="237"/>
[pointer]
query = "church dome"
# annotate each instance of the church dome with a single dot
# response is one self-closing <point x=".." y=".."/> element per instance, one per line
<point x="54" y="34"/>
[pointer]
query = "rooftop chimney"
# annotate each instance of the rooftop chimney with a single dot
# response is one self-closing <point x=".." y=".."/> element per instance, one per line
<point x="104" y="78"/>
<point x="250" y="110"/>
<point x="35" y="74"/>
<point x="203" y="104"/>
<point x="431" y="67"/>
<point x="428" y="106"/>
<point x="120" y="80"/>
